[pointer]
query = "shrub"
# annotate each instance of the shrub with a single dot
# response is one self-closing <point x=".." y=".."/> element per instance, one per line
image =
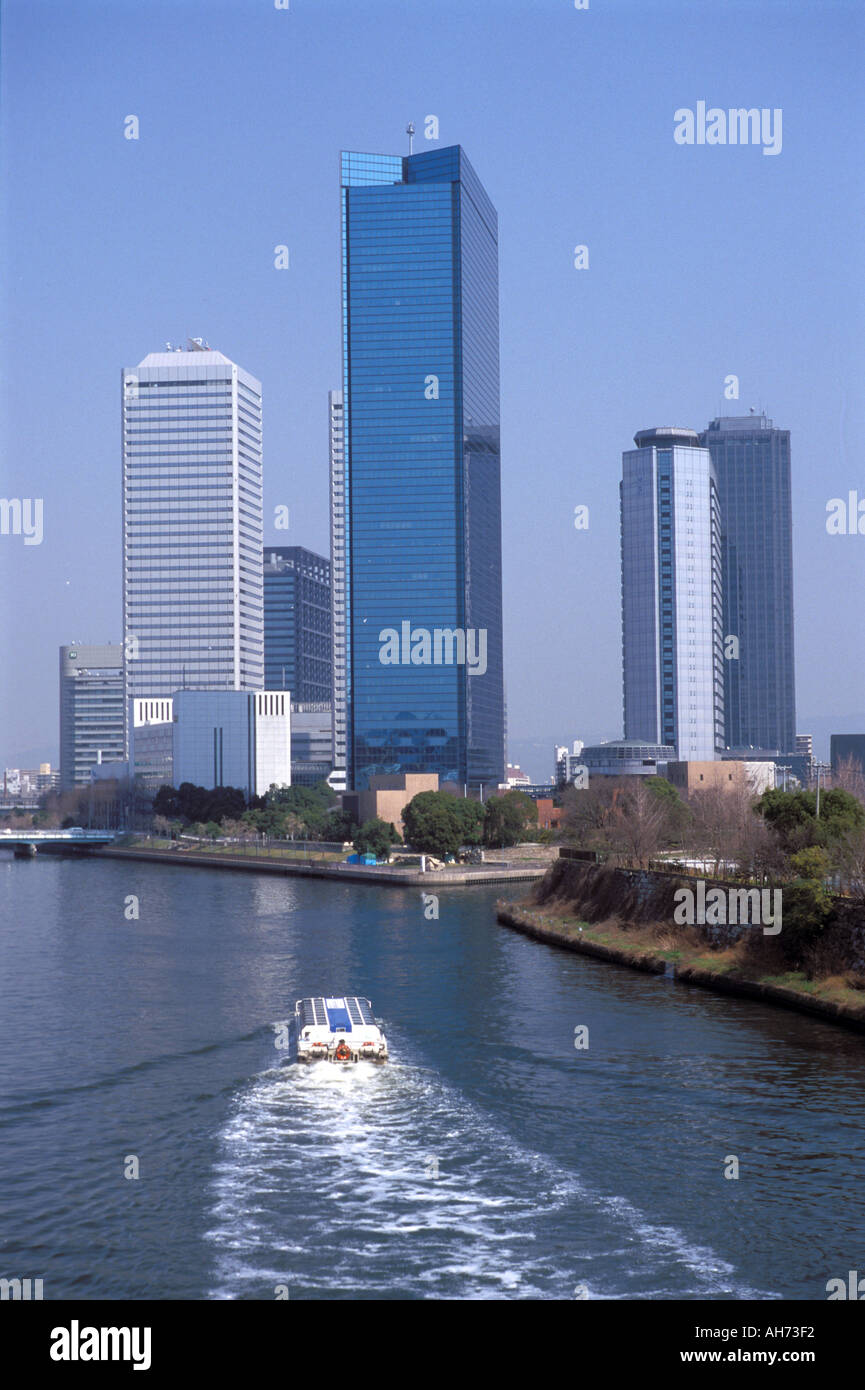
<point x="375" y="837"/>
<point x="807" y="909"/>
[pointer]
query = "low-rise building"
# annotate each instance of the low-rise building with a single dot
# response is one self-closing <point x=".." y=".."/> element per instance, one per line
<point x="549" y="816"/>
<point x="625" y="758"/>
<point x="91" y="710"/>
<point x="726" y="774"/>
<point x="387" y="796"/>
<point x="568" y="764"/>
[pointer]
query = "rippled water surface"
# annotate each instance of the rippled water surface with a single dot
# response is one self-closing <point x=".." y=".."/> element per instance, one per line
<point x="488" y="1159"/>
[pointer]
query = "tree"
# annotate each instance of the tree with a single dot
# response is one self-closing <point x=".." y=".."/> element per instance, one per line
<point x="507" y="818"/>
<point x="713" y="831"/>
<point x="677" y="814"/>
<point x="270" y="821"/>
<point x="375" y="837"/>
<point x="588" y="814"/>
<point x="849" y="777"/>
<point x="167" y="803"/>
<point x="851" y="862"/>
<point x="794" y="820"/>
<point x="432" y="823"/>
<point x="812" y="863"/>
<point x="199" y="803"/>
<point x="642" y="818"/>
<point x="807" y="907"/>
<point x="339" y="825"/>
<point x="471" y="815"/>
<point x="310" y="808"/>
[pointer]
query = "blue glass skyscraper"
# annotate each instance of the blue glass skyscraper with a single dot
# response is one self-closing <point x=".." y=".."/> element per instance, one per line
<point x="421" y="457"/>
<point x="752" y="464"/>
<point x="297" y="643"/>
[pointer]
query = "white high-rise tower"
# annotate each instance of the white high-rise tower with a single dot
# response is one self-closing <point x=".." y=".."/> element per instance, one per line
<point x="671" y="595"/>
<point x="192" y="524"/>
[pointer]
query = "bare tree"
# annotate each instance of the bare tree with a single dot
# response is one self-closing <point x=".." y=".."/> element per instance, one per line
<point x="716" y="824"/>
<point x="641" y="822"/>
<point x="850" y="778"/>
<point x="851" y="861"/>
<point x="588" y="815"/>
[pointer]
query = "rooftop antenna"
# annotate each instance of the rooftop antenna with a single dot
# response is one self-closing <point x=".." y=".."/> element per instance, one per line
<point x="409" y="130"/>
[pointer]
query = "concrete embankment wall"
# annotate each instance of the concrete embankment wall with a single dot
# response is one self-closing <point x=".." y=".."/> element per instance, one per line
<point x="431" y="881"/>
<point x="598" y="893"/>
<point x="579" y="891"/>
<point x="530" y="923"/>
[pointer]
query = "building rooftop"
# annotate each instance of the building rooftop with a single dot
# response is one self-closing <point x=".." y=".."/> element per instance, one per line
<point x="172" y="358"/>
<point x="733" y="423"/>
<point x="667" y="436"/>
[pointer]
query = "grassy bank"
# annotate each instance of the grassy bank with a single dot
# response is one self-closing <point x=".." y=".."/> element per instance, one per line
<point x="680" y="952"/>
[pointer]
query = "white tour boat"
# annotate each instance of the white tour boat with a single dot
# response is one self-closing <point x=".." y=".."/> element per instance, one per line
<point x="336" y="1030"/>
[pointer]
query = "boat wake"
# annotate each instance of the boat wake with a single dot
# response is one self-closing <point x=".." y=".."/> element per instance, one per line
<point x="382" y="1182"/>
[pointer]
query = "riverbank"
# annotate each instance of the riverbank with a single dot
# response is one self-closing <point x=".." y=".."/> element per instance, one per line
<point x="324" y="866"/>
<point x="666" y="952"/>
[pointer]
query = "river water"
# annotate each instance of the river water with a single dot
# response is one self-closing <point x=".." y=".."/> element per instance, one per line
<point x="490" y="1158"/>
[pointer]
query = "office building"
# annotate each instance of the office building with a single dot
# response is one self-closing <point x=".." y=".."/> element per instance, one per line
<point x="91" y="710"/>
<point x="752" y="467"/>
<point x="28" y="783"/>
<point x="192" y="524"/>
<point x="336" y="432"/>
<point x="622" y="758"/>
<point x="297" y="641"/>
<point x="424" y="681"/>
<point x="847" y="751"/>
<point x="569" y="765"/>
<point x="151" y="742"/>
<point x="232" y="738"/>
<point x="671" y="595"/>
<point x="311" y="743"/>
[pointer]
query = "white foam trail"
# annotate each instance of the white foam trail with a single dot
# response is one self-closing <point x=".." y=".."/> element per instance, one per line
<point x="327" y="1183"/>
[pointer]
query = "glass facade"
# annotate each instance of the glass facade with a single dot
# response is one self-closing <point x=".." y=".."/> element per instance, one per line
<point x="752" y="464"/>
<point x="297" y="642"/>
<point x="192" y="525"/>
<point x="336" y="431"/>
<point x="230" y="738"/>
<point x="421" y="469"/>
<point x="672" y="595"/>
<point x="310" y="743"/>
<point x="847" y="750"/>
<point x="91" y="710"/>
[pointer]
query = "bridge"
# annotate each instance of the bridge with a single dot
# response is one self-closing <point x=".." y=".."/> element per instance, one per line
<point x="27" y="843"/>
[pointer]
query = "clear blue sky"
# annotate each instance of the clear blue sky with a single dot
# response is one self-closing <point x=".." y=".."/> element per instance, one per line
<point x="704" y="261"/>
